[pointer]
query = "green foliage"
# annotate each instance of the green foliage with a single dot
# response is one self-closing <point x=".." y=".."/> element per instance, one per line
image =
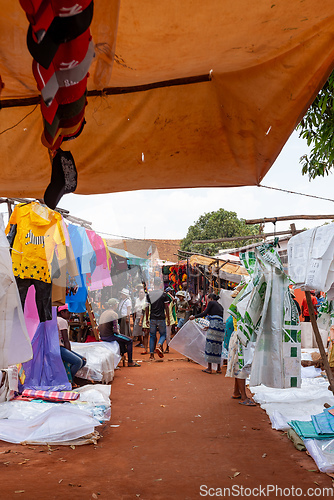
<point x="214" y="225"/>
<point x="317" y="127"/>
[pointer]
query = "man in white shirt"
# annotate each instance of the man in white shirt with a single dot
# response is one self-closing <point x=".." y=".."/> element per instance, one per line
<point x="124" y="312"/>
<point x="140" y="306"/>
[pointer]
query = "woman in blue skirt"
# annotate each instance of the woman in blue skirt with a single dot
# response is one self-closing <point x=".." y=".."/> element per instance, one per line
<point x="214" y="312"/>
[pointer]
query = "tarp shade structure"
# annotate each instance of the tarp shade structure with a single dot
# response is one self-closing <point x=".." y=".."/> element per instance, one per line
<point x="267" y="61"/>
<point x="133" y="260"/>
<point x="221" y="265"/>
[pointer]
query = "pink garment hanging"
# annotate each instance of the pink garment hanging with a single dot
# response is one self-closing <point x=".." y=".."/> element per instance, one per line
<point x="30" y="312"/>
<point x="101" y="275"/>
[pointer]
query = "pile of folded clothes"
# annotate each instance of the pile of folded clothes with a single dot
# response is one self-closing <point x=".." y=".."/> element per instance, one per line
<point x="321" y="426"/>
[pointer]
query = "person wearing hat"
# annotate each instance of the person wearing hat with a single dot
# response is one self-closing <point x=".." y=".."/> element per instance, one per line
<point x="67" y="355"/>
<point x="124" y="312"/>
<point x="182" y="308"/>
<point x="109" y="331"/>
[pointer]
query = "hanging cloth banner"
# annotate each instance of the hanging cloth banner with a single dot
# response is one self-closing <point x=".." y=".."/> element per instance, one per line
<point x="14" y="339"/>
<point x="267" y="316"/>
<point x="277" y="353"/>
<point x="310" y="258"/>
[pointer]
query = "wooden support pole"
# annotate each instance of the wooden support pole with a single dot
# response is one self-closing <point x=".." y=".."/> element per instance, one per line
<point x="293" y="229"/>
<point x="10" y="210"/>
<point x="319" y="340"/>
<point x="92" y="320"/>
<point x="30" y="101"/>
<point x="182" y="252"/>
<point x="288" y="217"/>
<point x="249" y="237"/>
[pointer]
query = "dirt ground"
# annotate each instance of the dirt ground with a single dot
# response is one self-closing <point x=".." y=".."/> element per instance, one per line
<point x="179" y="430"/>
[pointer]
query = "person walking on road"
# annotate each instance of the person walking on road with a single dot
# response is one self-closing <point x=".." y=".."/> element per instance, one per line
<point x="159" y="316"/>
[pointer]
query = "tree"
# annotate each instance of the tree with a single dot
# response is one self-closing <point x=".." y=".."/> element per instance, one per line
<point x="214" y="225"/>
<point x="317" y="127"/>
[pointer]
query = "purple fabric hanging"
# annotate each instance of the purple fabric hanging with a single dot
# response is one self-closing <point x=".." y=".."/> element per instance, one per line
<point x="46" y="370"/>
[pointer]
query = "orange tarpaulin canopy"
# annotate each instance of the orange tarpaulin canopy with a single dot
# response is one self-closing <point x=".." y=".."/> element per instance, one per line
<point x="196" y="94"/>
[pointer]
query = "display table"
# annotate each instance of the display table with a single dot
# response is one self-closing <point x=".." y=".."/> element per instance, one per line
<point x="102" y="358"/>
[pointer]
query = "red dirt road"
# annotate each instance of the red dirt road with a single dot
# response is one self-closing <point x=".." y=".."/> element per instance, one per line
<point x="178" y="429"/>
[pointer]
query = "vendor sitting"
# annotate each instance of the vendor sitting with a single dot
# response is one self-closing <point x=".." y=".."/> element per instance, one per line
<point x="67" y="355"/>
<point x="109" y="331"/>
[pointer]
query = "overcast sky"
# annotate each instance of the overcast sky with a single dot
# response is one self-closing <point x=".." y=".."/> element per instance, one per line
<point x="167" y="213"/>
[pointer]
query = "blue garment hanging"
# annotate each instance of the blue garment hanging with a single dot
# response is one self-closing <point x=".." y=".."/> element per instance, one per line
<point x="86" y="263"/>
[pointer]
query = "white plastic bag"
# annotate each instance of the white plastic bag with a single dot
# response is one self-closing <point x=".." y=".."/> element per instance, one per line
<point x="310" y="257"/>
<point x="322" y="452"/>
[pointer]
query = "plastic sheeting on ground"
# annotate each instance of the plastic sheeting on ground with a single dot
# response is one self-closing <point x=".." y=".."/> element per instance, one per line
<point x="42" y="422"/>
<point x="322" y="452"/>
<point x="102" y="359"/>
<point x="59" y="423"/>
<point x="284" y="405"/>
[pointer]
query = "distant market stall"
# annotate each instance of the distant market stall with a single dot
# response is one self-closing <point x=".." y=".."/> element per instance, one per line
<point x="202" y="272"/>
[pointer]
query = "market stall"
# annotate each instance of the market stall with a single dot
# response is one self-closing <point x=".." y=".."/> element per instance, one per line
<point x="51" y="263"/>
<point x="268" y="329"/>
<point x="306" y="413"/>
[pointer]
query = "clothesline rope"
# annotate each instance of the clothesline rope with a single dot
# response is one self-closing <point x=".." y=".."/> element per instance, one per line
<point x="20" y="121"/>
<point x="123" y="237"/>
<point x="294" y="192"/>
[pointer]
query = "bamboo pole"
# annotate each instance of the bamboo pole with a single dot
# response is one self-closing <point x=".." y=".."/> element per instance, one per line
<point x="319" y="340"/>
<point x="288" y="217"/>
<point x="31" y="101"/>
